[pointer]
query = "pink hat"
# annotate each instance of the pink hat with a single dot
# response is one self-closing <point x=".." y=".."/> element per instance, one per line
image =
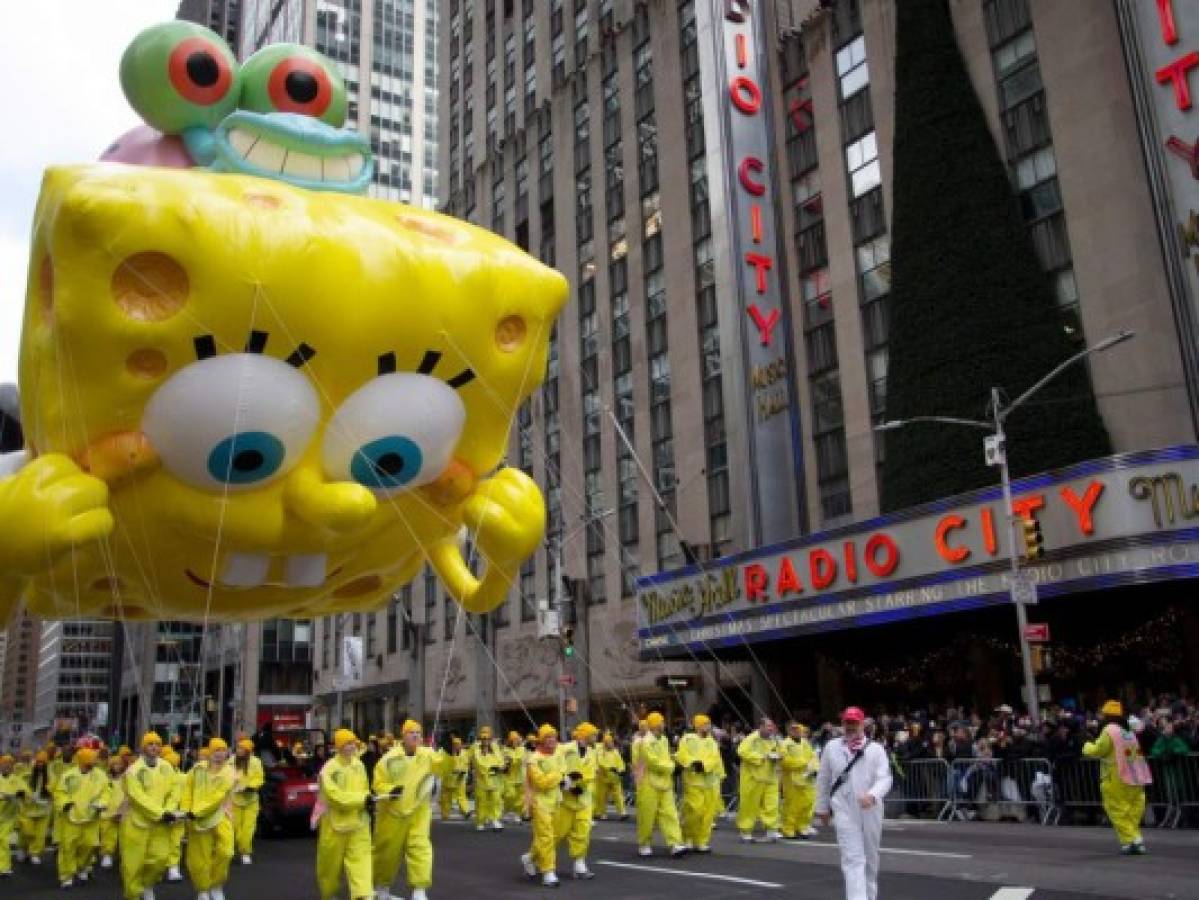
<point x="853" y="714"/>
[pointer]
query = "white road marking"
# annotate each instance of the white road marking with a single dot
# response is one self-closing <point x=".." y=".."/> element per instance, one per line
<point x="899" y="851"/>
<point x="1012" y="893"/>
<point x="687" y="874"/>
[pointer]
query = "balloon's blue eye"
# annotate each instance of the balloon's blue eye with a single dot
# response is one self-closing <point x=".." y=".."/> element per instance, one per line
<point x="388" y="462"/>
<point x="246" y="457"/>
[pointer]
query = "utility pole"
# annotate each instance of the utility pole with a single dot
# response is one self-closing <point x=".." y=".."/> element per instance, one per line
<point x="416" y="676"/>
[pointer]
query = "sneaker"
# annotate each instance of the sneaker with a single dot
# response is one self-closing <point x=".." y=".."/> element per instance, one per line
<point x="772" y="837"/>
<point x="1139" y="848"/>
<point x="678" y="851"/>
<point x="246" y="860"/>
<point x="217" y="893"/>
<point x="604" y="817"/>
<point x="83" y="876"/>
<point x="549" y="879"/>
<point x="106" y="862"/>
<point x="148" y="894"/>
<point x="809" y="832"/>
<point x="382" y="893"/>
<point x="703" y="848"/>
<point x="35" y="860"/>
<point x="67" y="885"/>
<point x="480" y="827"/>
<point x="645" y="851"/>
<point x="526" y="860"/>
<point x="1128" y="850"/>
<point x="203" y="895"/>
<point x="747" y="838"/>
<point x="497" y="825"/>
<point x="624" y="817"/>
<point x="419" y="894"/>
<point x="173" y="874"/>
<point x="581" y="871"/>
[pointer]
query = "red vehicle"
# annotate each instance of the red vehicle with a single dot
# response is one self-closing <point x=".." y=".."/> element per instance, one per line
<point x="288" y="795"/>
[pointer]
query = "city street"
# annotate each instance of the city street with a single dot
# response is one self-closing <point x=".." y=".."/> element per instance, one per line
<point x="921" y="861"/>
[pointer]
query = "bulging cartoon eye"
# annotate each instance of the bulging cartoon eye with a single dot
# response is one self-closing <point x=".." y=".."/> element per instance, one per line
<point x="295" y="79"/>
<point x="179" y="75"/>
<point x="232" y="422"/>
<point x="396" y="432"/>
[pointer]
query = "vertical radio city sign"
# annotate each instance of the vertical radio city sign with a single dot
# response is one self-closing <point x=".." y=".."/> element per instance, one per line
<point x="757" y="300"/>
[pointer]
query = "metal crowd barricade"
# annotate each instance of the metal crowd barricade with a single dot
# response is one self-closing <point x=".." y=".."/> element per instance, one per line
<point x="993" y="789"/>
<point x="922" y="791"/>
<point x="1075" y="790"/>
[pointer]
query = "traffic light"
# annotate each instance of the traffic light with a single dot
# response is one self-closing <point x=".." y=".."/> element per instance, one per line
<point x="1034" y="541"/>
<point x="568" y="642"/>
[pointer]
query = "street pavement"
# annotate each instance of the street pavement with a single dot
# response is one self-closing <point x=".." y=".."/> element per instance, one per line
<point x="921" y="861"/>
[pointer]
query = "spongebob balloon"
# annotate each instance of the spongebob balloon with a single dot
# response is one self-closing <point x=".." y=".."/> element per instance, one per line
<point x="247" y="396"/>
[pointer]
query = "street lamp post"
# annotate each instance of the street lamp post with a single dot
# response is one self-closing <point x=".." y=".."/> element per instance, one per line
<point x="995" y="447"/>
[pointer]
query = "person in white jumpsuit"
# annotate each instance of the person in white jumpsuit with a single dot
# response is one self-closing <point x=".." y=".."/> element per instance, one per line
<point x="854" y="800"/>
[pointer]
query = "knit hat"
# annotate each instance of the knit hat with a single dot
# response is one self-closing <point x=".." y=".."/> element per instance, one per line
<point x="546" y="731"/>
<point x="217" y="744"/>
<point x="151" y="737"/>
<point x="343" y="736"/>
<point x="410" y="726"/>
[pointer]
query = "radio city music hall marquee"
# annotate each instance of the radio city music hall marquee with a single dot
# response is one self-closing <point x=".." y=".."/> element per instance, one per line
<point x="1120" y="519"/>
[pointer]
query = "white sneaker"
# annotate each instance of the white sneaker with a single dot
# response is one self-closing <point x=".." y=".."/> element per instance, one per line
<point x="747" y="838"/>
<point x="203" y="895"/>
<point x="83" y="876"/>
<point x="809" y="832"/>
<point x="549" y="879"/>
<point x="106" y="862"/>
<point x="773" y="836"/>
<point x="581" y="871"/>
<point x="497" y="825"/>
<point x="67" y="885"/>
<point x="419" y="894"/>
<point x="645" y="851"/>
<point x="35" y="860"/>
<point x="678" y="850"/>
<point x="480" y="827"/>
<point x="217" y="893"/>
<point x="246" y="860"/>
<point x="173" y="874"/>
<point x="148" y="894"/>
<point x="703" y="848"/>
<point x="526" y="860"/>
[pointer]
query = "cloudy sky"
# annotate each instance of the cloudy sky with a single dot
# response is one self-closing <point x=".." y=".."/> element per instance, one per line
<point x="63" y="104"/>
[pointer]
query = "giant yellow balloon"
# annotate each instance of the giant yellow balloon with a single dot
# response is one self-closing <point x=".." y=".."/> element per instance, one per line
<point x="244" y="399"/>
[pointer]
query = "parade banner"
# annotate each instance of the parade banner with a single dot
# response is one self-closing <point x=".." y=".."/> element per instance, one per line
<point x="1105" y="522"/>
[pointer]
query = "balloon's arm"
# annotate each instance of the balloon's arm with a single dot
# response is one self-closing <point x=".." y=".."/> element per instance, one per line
<point x="476" y="595"/>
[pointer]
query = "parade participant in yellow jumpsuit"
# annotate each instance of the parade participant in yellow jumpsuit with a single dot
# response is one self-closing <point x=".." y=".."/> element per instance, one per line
<point x="403" y="786"/>
<point x="11" y="789"/>
<point x="514" y="777"/>
<point x="800" y="766"/>
<point x="36" y="807"/>
<point x="487" y="762"/>
<point x="609" y="780"/>
<point x="110" y="819"/>
<point x="81" y="796"/>
<point x="178" y="827"/>
<point x="151" y="795"/>
<point x="55" y="767"/>
<point x="760" y="752"/>
<point x="1123" y="775"/>
<point x="656" y="804"/>
<point x="208" y="804"/>
<point x="344" y="839"/>
<point x="250" y="778"/>
<point x="453" y="770"/>
<point x="544" y="776"/>
<point x="24" y="764"/>
<point x="572" y="822"/>
<point x="703" y="773"/>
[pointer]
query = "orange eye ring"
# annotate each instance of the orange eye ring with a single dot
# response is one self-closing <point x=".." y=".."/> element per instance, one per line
<point x="199" y="71"/>
<point x="300" y="85"/>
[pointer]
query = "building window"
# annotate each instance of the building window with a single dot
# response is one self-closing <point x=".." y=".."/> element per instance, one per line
<point x="393" y="624"/>
<point x="853" y="74"/>
<point x="861" y="158"/>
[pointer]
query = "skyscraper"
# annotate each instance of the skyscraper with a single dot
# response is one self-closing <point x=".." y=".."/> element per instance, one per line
<point x="222" y="16"/>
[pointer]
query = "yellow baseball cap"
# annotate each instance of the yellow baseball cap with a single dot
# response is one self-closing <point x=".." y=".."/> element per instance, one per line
<point x="410" y="726"/>
<point x="343" y="736"/>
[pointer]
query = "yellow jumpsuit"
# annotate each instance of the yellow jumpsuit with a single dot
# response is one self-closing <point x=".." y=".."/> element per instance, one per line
<point x="759" y="784"/>
<point x="344" y="839"/>
<point x="1123" y="803"/>
<point x="454" y="767"/>
<point x="572" y="821"/>
<point x="79" y="800"/>
<point x="245" y="804"/>
<point x="608" y="781"/>
<point x="701" y="789"/>
<point x="10" y="806"/>
<point x="179" y="829"/>
<point x="35" y="815"/>
<point x="55" y="768"/>
<point x="655" y="794"/>
<point x="514" y="780"/>
<point x="489" y="787"/>
<point x="207" y="795"/>
<point x="800" y="766"/>
<point x="543" y="780"/>
<point x="402" y="824"/>
<point x="145" y="839"/>
<point x="110" y="819"/>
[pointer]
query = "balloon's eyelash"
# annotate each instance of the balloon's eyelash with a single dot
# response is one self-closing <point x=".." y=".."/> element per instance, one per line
<point x="205" y="345"/>
<point x="387" y="365"/>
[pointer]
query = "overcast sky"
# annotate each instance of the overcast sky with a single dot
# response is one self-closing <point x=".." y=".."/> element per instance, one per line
<point x="63" y="104"/>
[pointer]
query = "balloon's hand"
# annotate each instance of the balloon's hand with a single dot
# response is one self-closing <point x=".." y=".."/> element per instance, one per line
<point x="507" y="515"/>
<point x="52" y="506"/>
